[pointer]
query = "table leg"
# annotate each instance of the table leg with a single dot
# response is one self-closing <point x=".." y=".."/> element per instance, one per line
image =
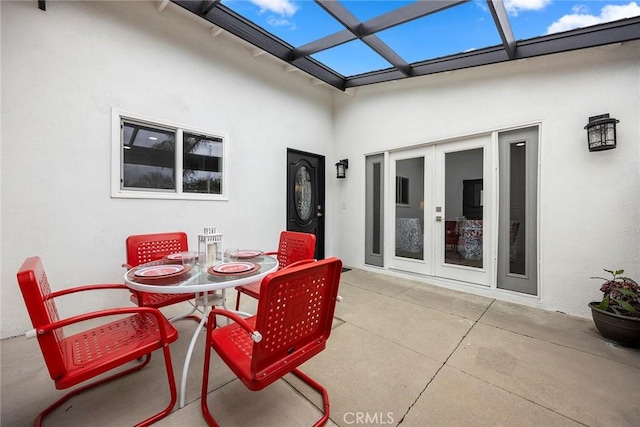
<point x="182" y="316"/>
<point x="205" y="314"/>
<point x="187" y="360"/>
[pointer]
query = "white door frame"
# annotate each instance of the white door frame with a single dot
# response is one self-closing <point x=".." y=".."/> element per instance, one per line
<point x="422" y="266"/>
<point x="485" y="275"/>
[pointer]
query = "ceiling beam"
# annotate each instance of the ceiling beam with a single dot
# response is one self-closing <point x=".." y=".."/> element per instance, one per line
<point x="407" y="13"/>
<point x="341" y="14"/>
<point x="354" y="26"/>
<point x="324" y="43"/>
<point x="207" y="5"/>
<point x="503" y="25"/>
<point x="391" y="19"/>
<point x="388" y="54"/>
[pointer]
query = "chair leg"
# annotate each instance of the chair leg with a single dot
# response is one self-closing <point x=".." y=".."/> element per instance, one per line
<point x="318" y="387"/>
<point x="38" y="421"/>
<point x="172" y="388"/>
<point x="40" y="418"/>
<point x="205" y="383"/>
<point x="304" y="377"/>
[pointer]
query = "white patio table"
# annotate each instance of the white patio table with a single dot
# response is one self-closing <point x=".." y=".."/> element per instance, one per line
<point x="167" y="277"/>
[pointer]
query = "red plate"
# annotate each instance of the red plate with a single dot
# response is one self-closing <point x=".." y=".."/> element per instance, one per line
<point x="231" y="268"/>
<point x="248" y="253"/>
<point x="160" y="271"/>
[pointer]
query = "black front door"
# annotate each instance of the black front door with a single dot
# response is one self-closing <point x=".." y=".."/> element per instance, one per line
<point x="305" y="195"/>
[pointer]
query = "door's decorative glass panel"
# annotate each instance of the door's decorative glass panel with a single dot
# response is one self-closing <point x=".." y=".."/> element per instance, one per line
<point x="374" y="211"/>
<point x="302" y="193"/>
<point x="464" y="207"/>
<point x="377" y="209"/>
<point x="517" y="207"/>
<point x="409" y="209"/>
<point x="202" y="157"/>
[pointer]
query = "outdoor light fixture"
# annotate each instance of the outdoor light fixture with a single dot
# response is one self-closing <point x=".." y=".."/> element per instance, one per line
<point x="601" y="132"/>
<point x="341" y="168"/>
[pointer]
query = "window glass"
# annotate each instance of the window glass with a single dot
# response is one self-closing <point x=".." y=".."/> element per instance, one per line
<point x="148" y="157"/>
<point x="161" y="160"/>
<point x="202" y="164"/>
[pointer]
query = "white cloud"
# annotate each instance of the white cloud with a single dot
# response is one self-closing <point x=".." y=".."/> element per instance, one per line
<point x="279" y="7"/>
<point x="275" y="21"/>
<point x="516" y="6"/>
<point x="580" y="18"/>
<point x="613" y="12"/>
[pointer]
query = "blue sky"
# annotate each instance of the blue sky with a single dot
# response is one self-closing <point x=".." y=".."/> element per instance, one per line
<point x="458" y="29"/>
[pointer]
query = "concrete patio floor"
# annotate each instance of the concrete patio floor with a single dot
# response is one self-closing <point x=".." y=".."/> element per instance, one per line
<point x="401" y="353"/>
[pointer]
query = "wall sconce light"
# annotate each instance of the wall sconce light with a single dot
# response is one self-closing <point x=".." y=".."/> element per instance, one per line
<point x="601" y="132"/>
<point x="341" y="168"/>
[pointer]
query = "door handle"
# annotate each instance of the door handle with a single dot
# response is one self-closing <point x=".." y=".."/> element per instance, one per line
<point x="319" y="214"/>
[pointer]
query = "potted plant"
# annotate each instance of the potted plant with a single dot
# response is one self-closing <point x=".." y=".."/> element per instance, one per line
<point x="617" y="316"/>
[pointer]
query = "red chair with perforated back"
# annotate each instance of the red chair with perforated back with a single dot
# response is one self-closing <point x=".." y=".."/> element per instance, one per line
<point x="292" y="247"/>
<point x="131" y="334"/>
<point x="142" y="248"/>
<point x="292" y="324"/>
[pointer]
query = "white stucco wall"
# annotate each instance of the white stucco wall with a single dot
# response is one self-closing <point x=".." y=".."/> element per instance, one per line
<point x="63" y="71"/>
<point x="589" y="202"/>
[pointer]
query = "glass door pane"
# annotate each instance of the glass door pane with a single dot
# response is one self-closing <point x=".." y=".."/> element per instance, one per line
<point x="464" y="211"/>
<point x="517" y="206"/>
<point x="517" y="228"/>
<point x="464" y="208"/>
<point x="409" y="208"/>
<point x="374" y="212"/>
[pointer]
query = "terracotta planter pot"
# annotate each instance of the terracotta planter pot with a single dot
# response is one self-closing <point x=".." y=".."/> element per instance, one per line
<point x="622" y="329"/>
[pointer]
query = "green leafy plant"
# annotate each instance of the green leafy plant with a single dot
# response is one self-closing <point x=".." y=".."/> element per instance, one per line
<point x="621" y="294"/>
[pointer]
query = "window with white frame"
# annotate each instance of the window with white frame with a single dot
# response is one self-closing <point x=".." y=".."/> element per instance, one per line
<point x="157" y="159"/>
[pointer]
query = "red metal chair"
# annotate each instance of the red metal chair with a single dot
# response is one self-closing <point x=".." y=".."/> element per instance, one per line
<point x="451" y="235"/>
<point x="292" y="324"/>
<point x="83" y="356"/>
<point x="292" y="247"/>
<point x="143" y="248"/>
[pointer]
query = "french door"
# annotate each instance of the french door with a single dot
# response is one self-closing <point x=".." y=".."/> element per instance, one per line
<point x="464" y="211"/>
<point x="305" y="195"/>
<point x="442" y="210"/>
<point x="411" y="188"/>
